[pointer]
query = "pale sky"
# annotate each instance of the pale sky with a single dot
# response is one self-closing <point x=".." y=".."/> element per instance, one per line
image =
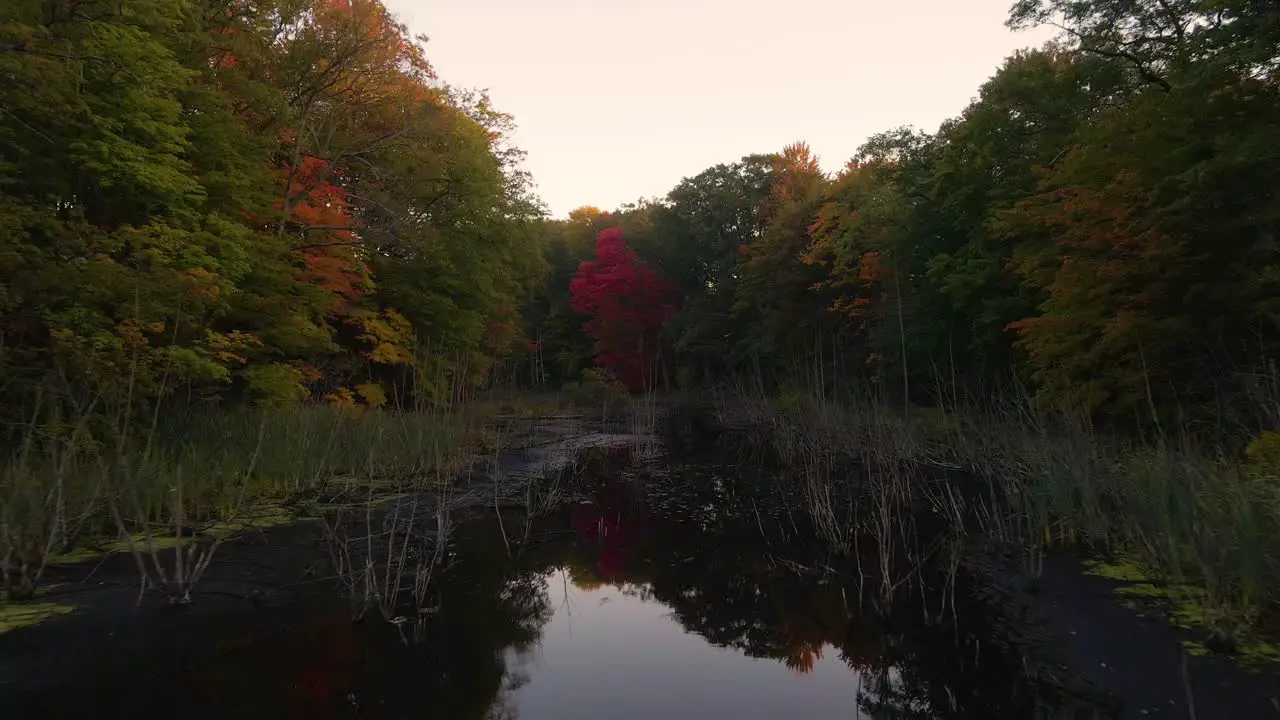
<point x="617" y="100"/>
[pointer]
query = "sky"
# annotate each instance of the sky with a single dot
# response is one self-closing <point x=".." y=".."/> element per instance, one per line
<point x="618" y="100"/>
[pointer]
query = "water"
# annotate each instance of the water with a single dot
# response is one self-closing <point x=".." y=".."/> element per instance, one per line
<point x="620" y="652"/>
<point x="680" y="590"/>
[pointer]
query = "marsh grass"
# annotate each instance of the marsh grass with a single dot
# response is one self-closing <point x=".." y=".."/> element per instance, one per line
<point x="1193" y="519"/>
<point x="387" y="555"/>
<point x="172" y="494"/>
<point x="50" y="493"/>
<point x="387" y="565"/>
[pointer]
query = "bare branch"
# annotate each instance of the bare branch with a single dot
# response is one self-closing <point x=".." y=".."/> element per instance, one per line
<point x="24" y="124"/>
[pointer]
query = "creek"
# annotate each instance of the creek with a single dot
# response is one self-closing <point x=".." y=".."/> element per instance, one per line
<point x="659" y="587"/>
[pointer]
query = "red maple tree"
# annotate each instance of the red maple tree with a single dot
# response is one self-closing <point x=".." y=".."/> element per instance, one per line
<point x="628" y="303"/>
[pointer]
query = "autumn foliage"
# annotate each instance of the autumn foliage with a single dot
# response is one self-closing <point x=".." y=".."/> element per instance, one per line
<point x="283" y="204"/>
<point x="1097" y="234"/>
<point x="628" y="304"/>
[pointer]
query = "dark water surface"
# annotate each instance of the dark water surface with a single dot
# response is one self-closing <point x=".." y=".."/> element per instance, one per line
<point x="666" y="591"/>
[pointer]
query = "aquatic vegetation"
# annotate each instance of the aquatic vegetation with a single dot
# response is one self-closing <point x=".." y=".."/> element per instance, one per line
<point x="15" y="615"/>
<point x="1188" y="607"/>
<point x="19" y="615"/>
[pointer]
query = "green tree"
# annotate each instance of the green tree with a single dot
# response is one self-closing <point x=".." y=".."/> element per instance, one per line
<point x="115" y="251"/>
<point x="1161" y="40"/>
<point x="1153" y="241"/>
<point x="987" y="161"/>
<point x="706" y="221"/>
<point x="786" y="321"/>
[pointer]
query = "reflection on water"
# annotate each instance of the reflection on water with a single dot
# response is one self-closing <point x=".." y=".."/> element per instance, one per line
<point x="617" y="651"/>
<point x="693" y="591"/>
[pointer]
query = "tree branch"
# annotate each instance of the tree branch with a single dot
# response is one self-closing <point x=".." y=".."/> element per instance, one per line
<point x="22" y="48"/>
<point x="24" y="124"/>
<point x="1138" y="63"/>
<point x="1179" y="29"/>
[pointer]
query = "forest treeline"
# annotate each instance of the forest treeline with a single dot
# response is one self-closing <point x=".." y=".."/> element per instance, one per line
<point x="1097" y="229"/>
<point x="220" y="200"/>
<point x="279" y="201"/>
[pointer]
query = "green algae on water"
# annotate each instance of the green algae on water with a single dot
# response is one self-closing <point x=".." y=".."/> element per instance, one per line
<point x="1184" y="606"/>
<point x="20" y="615"/>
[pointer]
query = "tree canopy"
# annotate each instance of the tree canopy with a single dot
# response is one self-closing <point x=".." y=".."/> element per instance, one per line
<point x="1098" y="227"/>
<point x="271" y="201"/>
<point x="217" y="200"/>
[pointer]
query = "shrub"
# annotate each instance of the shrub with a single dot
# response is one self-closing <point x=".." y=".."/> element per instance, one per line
<point x="597" y="389"/>
<point x="275" y="384"/>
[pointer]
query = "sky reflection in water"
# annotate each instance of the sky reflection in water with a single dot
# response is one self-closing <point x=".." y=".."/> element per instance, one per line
<point x="611" y="652"/>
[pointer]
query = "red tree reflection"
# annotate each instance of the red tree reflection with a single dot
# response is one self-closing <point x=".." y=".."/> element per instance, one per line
<point x="613" y="529"/>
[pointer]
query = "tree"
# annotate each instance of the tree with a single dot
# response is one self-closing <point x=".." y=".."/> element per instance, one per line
<point x="986" y="161"/>
<point x="117" y="248"/>
<point x="702" y="226"/>
<point x="228" y="196"/>
<point x="628" y="303"/>
<point x="1161" y="39"/>
<point x="1153" y="241"/>
<point x="859" y="237"/>
<point x="788" y="321"/>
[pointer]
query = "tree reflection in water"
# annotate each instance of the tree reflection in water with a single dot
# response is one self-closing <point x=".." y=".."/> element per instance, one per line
<point x="731" y="555"/>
